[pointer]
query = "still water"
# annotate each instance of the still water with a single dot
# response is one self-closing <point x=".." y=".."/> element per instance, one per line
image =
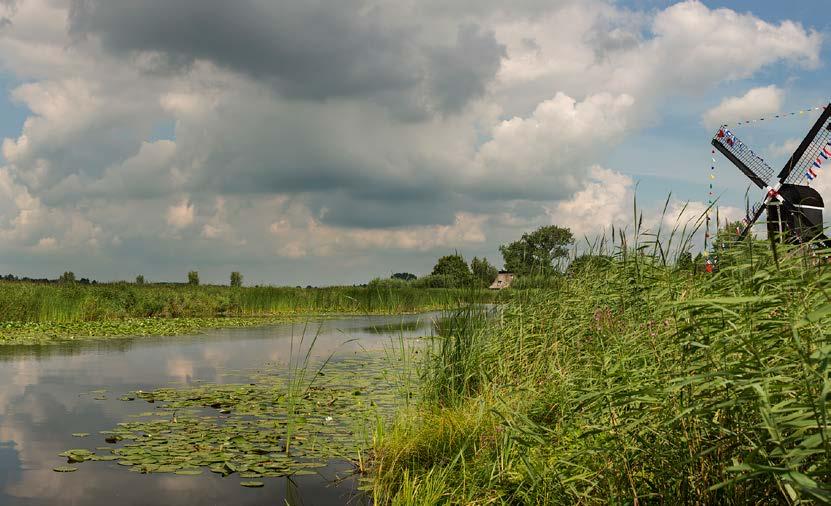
<point x="47" y="393"/>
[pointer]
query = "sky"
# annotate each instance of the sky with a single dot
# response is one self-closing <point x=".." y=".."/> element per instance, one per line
<point x="307" y="142"/>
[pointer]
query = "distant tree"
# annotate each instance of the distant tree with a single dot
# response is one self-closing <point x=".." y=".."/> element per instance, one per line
<point x="193" y="278"/>
<point x="536" y="252"/>
<point x="699" y="263"/>
<point x="588" y="262"/>
<point x="404" y="276"/>
<point x="139" y="279"/>
<point x="729" y="234"/>
<point x="454" y="267"/>
<point x="67" y="277"/>
<point x="435" y="281"/>
<point x="387" y="284"/>
<point x="685" y="262"/>
<point x="236" y="279"/>
<point x="483" y="271"/>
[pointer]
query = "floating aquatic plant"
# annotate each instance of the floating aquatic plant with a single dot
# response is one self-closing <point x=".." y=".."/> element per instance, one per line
<point x="272" y="425"/>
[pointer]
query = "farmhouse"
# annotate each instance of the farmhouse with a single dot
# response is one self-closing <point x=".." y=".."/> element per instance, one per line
<point x="503" y="280"/>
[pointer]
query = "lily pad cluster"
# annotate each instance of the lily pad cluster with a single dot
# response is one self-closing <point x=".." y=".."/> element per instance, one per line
<point x="274" y="425"/>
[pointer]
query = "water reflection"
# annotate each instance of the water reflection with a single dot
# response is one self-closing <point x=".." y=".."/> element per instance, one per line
<point x="50" y="392"/>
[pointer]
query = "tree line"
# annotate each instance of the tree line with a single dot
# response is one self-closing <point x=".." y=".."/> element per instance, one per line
<point x="540" y="254"/>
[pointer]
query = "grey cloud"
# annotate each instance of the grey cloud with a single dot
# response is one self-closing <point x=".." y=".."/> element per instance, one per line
<point x="342" y="209"/>
<point x="11" y="7"/>
<point x="461" y="72"/>
<point x="304" y="49"/>
<point x="611" y="36"/>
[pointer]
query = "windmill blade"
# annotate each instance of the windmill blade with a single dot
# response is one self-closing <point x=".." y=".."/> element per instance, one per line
<point x="751" y="164"/>
<point x="809" y="149"/>
<point x="752" y="217"/>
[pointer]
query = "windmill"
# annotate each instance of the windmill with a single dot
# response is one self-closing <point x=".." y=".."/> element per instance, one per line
<point x="794" y="209"/>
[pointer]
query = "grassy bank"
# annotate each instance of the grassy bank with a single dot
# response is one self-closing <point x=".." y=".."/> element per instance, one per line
<point x="28" y="302"/>
<point x="31" y="312"/>
<point x="631" y="383"/>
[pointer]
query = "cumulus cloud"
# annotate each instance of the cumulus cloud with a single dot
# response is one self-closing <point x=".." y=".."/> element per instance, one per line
<point x="545" y="147"/>
<point x="785" y="149"/>
<point x="180" y="215"/>
<point x="608" y="198"/>
<point x="605" y="201"/>
<point x="756" y="103"/>
<point x="368" y="128"/>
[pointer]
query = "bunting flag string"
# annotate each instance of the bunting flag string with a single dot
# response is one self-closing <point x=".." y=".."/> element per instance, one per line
<point x="776" y="116"/>
<point x="824" y="155"/>
<point x="710" y="197"/>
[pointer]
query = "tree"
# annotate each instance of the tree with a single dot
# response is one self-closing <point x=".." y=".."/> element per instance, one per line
<point x="236" y="279"/>
<point x="588" y="262"/>
<point x="483" y="271"/>
<point x="67" y="277"/>
<point x="193" y="278"/>
<point x="139" y="279"/>
<point x="685" y="262"/>
<point x="729" y="234"/>
<point x="454" y="267"/>
<point x="404" y="276"/>
<point x="536" y="252"/>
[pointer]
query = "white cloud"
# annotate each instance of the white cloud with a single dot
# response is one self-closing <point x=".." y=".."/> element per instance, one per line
<point x="180" y="216"/>
<point x="604" y="201"/>
<point x="785" y="149"/>
<point x="551" y="146"/>
<point x="46" y="244"/>
<point x="756" y="103"/>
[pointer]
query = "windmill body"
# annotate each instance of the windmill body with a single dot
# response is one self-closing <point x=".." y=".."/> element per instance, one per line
<point x="794" y="209"/>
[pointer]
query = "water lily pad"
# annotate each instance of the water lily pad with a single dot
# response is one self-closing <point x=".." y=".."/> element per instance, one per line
<point x="65" y="469"/>
<point x="252" y="484"/>
<point x="268" y="428"/>
<point x="104" y="458"/>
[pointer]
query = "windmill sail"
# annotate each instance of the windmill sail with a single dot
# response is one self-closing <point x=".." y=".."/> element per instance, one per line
<point x="751" y="217"/>
<point x="813" y="149"/>
<point x="751" y="164"/>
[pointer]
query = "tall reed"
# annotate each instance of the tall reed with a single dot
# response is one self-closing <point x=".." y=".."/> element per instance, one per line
<point x="29" y="302"/>
<point x="632" y="382"/>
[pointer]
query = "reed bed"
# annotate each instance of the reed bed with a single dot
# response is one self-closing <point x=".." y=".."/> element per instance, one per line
<point x="31" y="302"/>
<point x="632" y="382"/>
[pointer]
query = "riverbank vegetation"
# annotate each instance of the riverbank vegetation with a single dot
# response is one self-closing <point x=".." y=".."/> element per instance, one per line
<point x="37" y="312"/>
<point x="633" y="380"/>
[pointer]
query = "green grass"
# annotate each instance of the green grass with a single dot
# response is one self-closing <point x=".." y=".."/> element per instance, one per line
<point x="627" y="384"/>
<point x="29" y="302"/>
